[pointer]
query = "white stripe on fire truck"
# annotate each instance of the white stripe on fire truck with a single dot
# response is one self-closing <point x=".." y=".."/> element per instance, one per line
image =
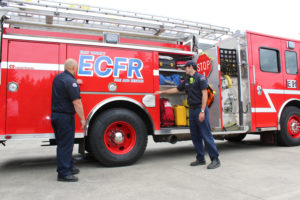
<point x="42" y="66"/>
<point x="272" y="107"/>
<point x="32" y="66"/>
<point x="38" y="136"/>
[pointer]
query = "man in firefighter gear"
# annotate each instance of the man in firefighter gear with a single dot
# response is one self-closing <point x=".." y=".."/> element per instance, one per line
<point x="196" y="86"/>
<point x="66" y="101"/>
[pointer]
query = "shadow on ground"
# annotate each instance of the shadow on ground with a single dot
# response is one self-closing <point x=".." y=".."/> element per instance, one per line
<point x="151" y="154"/>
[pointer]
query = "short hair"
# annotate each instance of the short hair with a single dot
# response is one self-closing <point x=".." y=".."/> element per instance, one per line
<point x="70" y="63"/>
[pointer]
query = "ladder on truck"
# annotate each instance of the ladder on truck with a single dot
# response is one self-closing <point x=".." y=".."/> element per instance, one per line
<point x="60" y="16"/>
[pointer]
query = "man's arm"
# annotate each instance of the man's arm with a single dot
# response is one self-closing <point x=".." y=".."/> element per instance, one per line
<point x="79" y="110"/>
<point x="168" y="91"/>
<point x="203" y="106"/>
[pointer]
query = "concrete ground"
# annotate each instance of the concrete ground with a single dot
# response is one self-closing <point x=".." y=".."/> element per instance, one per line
<point x="250" y="170"/>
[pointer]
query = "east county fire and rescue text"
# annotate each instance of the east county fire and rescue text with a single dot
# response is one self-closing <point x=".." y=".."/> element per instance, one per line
<point x="253" y="78"/>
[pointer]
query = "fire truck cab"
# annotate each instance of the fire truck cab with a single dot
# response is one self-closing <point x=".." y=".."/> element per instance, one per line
<point x="121" y="58"/>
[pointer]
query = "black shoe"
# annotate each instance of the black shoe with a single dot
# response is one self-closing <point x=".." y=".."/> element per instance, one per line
<point x="215" y="163"/>
<point x="75" y="170"/>
<point x="69" y="178"/>
<point x="198" y="162"/>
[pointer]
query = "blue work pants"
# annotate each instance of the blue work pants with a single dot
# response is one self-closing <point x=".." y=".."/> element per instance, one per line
<point x="200" y="131"/>
<point x="64" y="129"/>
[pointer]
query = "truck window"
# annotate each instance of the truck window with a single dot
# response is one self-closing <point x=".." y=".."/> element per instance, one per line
<point x="291" y="63"/>
<point x="269" y="60"/>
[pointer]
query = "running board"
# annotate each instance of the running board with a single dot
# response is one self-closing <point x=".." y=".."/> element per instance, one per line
<point x="186" y="130"/>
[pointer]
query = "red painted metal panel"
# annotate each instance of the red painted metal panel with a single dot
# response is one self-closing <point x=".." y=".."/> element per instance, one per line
<point x="90" y="101"/>
<point x="93" y="38"/>
<point x="29" y="108"/>
<point x="3" y="87"/>
<point x="88" y="65"/>
<point x="264" y="115"/>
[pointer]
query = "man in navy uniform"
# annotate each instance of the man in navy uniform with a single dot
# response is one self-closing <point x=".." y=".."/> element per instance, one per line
<point x="66" y="101"/>
<point x="196" y="86"/>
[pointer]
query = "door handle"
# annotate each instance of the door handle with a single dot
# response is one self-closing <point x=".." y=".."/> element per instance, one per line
<point x="259" y="90"/>
<point x="12" y="86"/>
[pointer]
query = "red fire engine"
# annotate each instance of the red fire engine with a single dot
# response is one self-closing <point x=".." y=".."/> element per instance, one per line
<point x="121" y="56"/>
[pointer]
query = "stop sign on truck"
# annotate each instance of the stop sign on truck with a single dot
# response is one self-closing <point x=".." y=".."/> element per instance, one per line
<point x="204" y="65"/>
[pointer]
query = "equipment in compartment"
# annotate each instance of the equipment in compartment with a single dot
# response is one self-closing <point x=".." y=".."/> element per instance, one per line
<point x="166" y="113"/>
<point x="173" y="79"/>
<point x="180" y="115"/>
<point x="166" y="62"/>
<point x="228" y="61"/>
<point x="210" y="95"/>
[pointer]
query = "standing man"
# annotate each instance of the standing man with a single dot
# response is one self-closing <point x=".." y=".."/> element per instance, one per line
<point x="66" y="101"/>
<point x="195" y="86"/>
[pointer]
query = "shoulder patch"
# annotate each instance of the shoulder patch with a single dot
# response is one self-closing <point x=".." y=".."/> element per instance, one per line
<point x="74" y="85"/>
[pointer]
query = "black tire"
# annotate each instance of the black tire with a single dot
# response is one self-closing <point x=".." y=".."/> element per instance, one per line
<point x="103" y="145"/>
<point x="235" y="138"/>
<point x="289" y="135"/>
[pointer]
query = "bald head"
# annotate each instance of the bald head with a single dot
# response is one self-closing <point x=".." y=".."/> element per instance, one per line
<point x="71" y="66"/>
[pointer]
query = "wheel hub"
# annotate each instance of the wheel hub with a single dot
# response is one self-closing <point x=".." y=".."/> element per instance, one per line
<point x="295" y="126"/>
<point x="118" y="138"/>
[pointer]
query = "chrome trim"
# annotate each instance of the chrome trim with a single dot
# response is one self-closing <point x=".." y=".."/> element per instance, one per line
<point x="171" y="70"/>
<point x="253" y="71"/>
<point x="67" y="41"/>
<point x="12" y="86"/>
<point x="240" y="87"/>
<point x="267" y="129"/>
<point x="281" y="109"/>
<point x="37" y="136"/>
<point x="244" y="129"/>
<point x="109" y="100"/>
<point x="185" y="130"/>
<point x="149" y="100"/>
<point x="172" y="131"/>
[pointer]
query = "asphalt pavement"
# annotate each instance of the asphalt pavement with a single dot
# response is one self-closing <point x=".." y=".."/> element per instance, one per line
<point x="249" y="170"/>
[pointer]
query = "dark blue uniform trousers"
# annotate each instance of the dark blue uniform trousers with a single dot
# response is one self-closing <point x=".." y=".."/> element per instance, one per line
<point x="200" y="131"/>
<point x="64" y="129"/>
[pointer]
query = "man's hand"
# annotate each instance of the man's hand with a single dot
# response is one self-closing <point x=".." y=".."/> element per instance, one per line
<point x="201" y="116"/>
<point x="83" y="123"/>
<point x="79" y="81"/>
<point x="158" y="92"/>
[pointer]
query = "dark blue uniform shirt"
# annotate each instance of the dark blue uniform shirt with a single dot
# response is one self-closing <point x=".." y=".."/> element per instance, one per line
<point x="64" y="90"/>
<point x="193" y="86"/>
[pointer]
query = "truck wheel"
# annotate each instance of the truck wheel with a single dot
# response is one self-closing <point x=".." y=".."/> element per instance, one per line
<point x="290" y="127"/>
<point x="118" y="137"/>
<point x="235" y="138"/>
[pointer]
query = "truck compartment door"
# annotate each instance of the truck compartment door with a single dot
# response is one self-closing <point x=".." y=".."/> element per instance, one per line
<point x="267" y="86"/>
<point x="31" y="69"/>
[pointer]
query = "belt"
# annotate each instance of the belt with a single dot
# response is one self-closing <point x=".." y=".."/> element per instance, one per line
<point x="195" y="106"/>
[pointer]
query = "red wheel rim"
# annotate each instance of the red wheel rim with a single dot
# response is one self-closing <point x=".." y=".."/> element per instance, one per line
<point x="293" y="126"/>
<point x="119" y="137"/>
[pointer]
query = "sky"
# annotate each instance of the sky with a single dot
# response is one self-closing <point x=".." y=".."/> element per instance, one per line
<point x="274" y="17"/>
